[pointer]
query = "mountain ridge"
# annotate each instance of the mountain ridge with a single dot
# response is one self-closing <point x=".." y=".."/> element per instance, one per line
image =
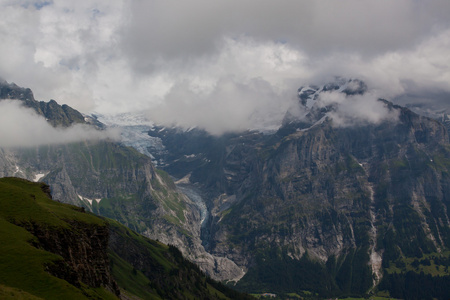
<point x="54" y="113"/>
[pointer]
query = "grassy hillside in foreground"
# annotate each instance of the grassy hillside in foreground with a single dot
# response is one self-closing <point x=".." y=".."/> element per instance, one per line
<point x="44" y="242"/>
<point x="24" y="264"/>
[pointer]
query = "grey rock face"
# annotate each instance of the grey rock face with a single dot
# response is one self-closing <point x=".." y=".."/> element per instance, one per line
<point x="355" y="199"/>
<point x="326" y="190"/>
<point x="84" y="252"/>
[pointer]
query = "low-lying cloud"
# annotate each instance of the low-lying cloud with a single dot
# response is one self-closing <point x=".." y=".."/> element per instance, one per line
<point x="22" y="127"/>
<point x="247" y="85"/>
<point x="229" y="106"/>
<point x="356" y="110"/>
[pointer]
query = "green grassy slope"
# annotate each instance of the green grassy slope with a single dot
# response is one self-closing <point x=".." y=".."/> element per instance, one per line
<point x="142" y="268"/>
<point x="23" y="266"/>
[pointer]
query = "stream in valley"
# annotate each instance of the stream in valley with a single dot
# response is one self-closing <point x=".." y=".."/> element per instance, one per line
<point x="192" y="194"/>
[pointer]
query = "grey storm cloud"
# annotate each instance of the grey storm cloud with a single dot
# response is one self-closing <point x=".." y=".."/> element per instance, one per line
<point x="174" y="29"/>
<point x="221" y="65"/>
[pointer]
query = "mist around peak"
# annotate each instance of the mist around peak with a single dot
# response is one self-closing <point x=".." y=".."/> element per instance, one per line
<point x="23" y="127"/>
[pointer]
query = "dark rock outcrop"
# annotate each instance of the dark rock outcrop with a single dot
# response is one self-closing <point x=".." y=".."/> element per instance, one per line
<point x="83" y="248"/>
<point x="74" y="242"/>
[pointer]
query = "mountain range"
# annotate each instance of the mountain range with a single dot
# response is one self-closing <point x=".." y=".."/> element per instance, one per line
<point x="350" y="208"/>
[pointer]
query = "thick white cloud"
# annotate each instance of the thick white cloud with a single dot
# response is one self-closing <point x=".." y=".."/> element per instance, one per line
<point x="247" y="85"/>
<point x="221" y="65"/>
<point x="356" y="109"/>
<point x="230" y="106"/>
<point x="22" y="127"/>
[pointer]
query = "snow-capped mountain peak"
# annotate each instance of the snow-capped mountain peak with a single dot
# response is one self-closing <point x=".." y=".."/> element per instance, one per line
<point x="308" y="95"/>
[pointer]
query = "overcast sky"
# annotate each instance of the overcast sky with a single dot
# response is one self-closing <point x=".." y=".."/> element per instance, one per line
<point x="224" y="64"/>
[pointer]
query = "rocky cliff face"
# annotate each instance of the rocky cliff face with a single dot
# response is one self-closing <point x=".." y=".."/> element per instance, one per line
<point x="71" y="245"/>
<point x="377" y="192"/>
<point x="343" y="203"/>
<point x="83" y="248"/>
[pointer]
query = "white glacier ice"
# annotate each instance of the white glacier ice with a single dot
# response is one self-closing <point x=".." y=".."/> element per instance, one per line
<point x="134" y="128"/>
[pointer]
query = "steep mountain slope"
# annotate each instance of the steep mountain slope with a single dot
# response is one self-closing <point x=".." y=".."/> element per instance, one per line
<point x="52" y="250"/>
<point x="352" y="198"/>
<point x="112" y="180"/>
<point x="323" y="207"/>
